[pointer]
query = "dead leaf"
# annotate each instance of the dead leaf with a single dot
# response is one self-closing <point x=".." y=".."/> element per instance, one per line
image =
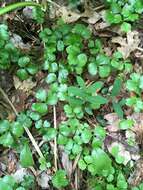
<point x="19" y="174"/>
<point x="19" y="99"/>
<point x="26" y="85"/>
<point x="69" y="16"/>
<point x="137" y="176"/>
<point x="67" y="164"/>
<point x="113" y="121"/>
<point x="43" y="180"/>
<point x="128" y="44"/>
<point x="138" y="126"/>
<point x="18" y="42"/>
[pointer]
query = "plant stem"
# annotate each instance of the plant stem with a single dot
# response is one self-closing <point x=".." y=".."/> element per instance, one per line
<point x="14" y="6"/>
<point x="55" y="139"/>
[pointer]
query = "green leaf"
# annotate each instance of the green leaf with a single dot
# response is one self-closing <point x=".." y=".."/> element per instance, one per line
<point x="17" y="129"/>
<point x="76" y="149"/>
<point x="119" y="159"/>
<point x="104" y="71"/>
<point x="126" y="27"/>
<point x="121" y="181"/>
<point x="20" y="188"/>
<point x="80" y="82"/>
<point x="6" y="139"/>
<point x="97" y="100"/>
<point x="23" y="61"/>
<point x="118" y="109"/>
<point x="102" y="59"/>
<point x="81" y="164"/>
<point x="24" y="120"/>
<point x="94" y="87"/>
<point x="4" y="126"/>
<point x="5" y="186"/>
<point x="9" y="180"/>
<point x="39" y="124"/>
<point x="59" y="180"/>
<point x="32" y="69"/>
<point x="115" y="7"/>
<point x="141" y="82"/>
<point x="82" y="30"/>
<point x="60" y="45"/>
<point x="62" y="140"/>
<point x="38" y="14"/>
<point x="22" y="74"/>
<point x="52" y="98"/>
<point x="100" y="132"/>
<point x="88" y="159"/>
<point x="86" y="135"/>
<point x="116" y="87"/>
<point x="126" y="124"/>
<point x="82" y="59"/>
<point x="50" y="134"/>
<point x="41" y="108"/>
<point x="41" y="95"/>
<point x="26" y="158"/>
<point x="44" y="34"/>
<point x="92" y="68"/>
<point x="101" y="161"/>
<point x="75" y="91"/>
<point x="53" y="67"/>
<point x="51" y="78"/>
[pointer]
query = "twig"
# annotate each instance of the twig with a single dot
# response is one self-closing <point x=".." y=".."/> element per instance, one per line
<point x="26" y="129"/>
<point x="53" y="3"/>
<point x="76" y="179"/>
<point x="55" y="139"/>
<point x="99" y="7"/>
<point x="140" y="49"/>
<point x="75" y="162"/>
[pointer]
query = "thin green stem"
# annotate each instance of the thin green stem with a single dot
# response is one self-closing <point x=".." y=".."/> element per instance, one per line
<point x="14" y="6"/>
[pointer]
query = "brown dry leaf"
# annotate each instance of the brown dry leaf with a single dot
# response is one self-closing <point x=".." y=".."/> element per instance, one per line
<point x="19" y="174"/>
<point x="128" y="44"/>
<point x="12" y="160"/>
<point x="94" y="18"/>
<point x="26" y="85"/>
<point x="18" y="99"/>
<point x="113" y="122"/>
<point x="137" y="176"/>
<point x="138" y="126"/>
<point x="69" y="16"/>
<point x="18" y="42"/>
<point x="67" y="164"/>
<point x="43" y="180"/>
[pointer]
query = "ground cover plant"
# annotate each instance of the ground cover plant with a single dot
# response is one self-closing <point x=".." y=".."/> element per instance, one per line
<point x="71" y="83"/>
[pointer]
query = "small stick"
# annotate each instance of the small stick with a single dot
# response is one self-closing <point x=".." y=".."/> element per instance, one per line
<point x="140" y="49"/>
<point x="53" y="3"/>
<point x="26" y="129"/>
<point x="55" y="139"/>
<point x="76" y="162"/>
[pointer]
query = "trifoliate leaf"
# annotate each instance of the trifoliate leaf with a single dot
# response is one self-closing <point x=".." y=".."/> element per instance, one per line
<point x="59" y="180"/>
